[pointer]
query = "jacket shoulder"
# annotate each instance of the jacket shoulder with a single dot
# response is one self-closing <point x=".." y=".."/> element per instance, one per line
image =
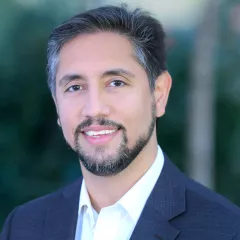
<point x="42" y="203"/>
<point x="200" y="193"/>
<point x="207" y="211"/>
<point x="34" y="212"/>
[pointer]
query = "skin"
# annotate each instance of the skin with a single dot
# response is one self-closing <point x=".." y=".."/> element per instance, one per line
<point x="127" y="102"/>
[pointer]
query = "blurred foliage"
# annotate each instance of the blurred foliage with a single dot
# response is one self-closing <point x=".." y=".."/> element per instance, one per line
<point x="228" y="102"/>
<point x="34" y="159"/>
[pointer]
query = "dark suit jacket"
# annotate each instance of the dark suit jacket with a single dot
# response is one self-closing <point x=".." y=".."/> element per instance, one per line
<point x="178" y="208"/>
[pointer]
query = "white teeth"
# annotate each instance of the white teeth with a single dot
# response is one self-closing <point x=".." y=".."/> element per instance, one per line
<point x="103" y="132"/>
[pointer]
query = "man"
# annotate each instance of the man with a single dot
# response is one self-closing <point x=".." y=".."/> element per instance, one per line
<point x="109" y="81"/>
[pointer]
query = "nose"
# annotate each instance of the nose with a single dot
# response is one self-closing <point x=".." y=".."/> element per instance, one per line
<point x="95" y="105"/>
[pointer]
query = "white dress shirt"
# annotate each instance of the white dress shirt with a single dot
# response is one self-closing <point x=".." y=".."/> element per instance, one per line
<point x="118" y="221"/>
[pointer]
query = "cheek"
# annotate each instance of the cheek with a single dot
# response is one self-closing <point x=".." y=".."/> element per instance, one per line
<point x="136" y="113"/>
<point x="69" y="117"/>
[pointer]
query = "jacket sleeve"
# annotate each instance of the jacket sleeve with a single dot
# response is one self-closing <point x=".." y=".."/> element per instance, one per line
<point x="6" y="230"/>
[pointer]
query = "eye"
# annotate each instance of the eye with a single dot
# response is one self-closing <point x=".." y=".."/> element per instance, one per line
<point x="74" y="88"/>
<point x="116" y="83"/>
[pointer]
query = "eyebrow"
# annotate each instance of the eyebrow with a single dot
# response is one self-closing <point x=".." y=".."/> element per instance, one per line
<point x="119" y="72"/>
<point x="116" y="71"/>
<point x="69" y="78"/>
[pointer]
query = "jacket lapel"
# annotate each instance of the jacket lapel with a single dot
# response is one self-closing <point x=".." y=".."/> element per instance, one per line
<point x="62" y="216"/>
<point x="166" y="201"/>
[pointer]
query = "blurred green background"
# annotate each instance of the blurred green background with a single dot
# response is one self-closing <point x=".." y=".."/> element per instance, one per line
<point x="34" y="159"/>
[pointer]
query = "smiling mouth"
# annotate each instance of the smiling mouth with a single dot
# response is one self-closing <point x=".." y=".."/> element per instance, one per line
<point x="98" y="134"/>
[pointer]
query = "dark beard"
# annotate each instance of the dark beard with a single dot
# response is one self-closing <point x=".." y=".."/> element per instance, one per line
<point x="112" y="165"/>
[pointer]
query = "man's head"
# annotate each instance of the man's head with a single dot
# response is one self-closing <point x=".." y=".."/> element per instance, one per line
<point x="108" y="78"/>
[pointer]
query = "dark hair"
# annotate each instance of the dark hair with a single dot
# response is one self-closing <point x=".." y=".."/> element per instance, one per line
<point x="145" y="33"/>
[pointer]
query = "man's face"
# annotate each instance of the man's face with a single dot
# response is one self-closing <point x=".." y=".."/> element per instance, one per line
<point x="105" y="106"/>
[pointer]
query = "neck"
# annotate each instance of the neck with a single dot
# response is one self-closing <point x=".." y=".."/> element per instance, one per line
<point x="106" y="191"/>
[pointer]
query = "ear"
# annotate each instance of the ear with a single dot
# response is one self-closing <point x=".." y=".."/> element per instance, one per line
<point x="54" y="99"/>
<point x="162" y="88"/>
<point x="55" y="102"/>
<point x="59" y="122"/>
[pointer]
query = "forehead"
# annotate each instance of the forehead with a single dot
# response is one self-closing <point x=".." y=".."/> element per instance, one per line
<point x="97" y="50"/>
<point x="102" y="44"/>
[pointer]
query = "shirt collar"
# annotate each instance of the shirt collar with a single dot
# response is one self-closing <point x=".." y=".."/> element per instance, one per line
<point x="84" y="197"/>
<point x="141" y="190"/>
<point x="85" y="204"/>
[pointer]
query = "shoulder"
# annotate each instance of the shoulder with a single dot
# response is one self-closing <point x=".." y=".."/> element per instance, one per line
<point x="199" y="195"/>
<point x="42" y="203"/>
<point x="205" y="210"/>
<point x="210" y="210"/>
<point x="34" y="212"/>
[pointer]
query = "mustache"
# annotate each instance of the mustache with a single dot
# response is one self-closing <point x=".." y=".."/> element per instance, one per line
<point x="98" y="121"/>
